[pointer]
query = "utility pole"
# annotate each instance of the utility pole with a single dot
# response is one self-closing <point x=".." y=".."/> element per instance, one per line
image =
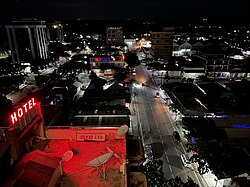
<point x="161" y="78"/>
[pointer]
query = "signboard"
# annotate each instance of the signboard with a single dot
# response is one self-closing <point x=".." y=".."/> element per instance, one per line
<point x="19" y="113"/>
<point x="119" y="58"/>
<point x="91" y="137"/>
<point x="193" y="140"/>
<point x="99" y="59"/>
<point x="241" y="126"/>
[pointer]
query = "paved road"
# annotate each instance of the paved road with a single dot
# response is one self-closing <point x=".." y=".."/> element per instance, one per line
<point x="157" y="125"/>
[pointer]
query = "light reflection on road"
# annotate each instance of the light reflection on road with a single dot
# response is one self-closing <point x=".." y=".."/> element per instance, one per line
<point x="157" y="125"/>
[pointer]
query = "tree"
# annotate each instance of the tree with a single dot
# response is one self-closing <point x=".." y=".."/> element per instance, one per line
<point x="153" y="172"/>
<point x="155" y="176"/>
<point x="120" y="76"/>
<point x="190" y="183"/>
<point x="92" y="75"/>
<point x="132" y="59"/>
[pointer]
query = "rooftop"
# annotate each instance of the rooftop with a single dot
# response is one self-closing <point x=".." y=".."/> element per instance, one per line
<point x="77" y="173"/>
<point x="192" y="99"/>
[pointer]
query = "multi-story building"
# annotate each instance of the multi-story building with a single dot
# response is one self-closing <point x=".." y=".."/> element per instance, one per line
<point x="162" y="43"/>
<point x="19" y="127"/>
<point x="27" y="40"/>
<point x="215" y="60"/>
<point x="114" y="35"/>
<point x="55" y="31"/>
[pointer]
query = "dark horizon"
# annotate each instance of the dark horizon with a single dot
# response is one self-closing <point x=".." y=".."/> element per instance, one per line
<point x="180" y="21"/>
<point x="231" y="13"/>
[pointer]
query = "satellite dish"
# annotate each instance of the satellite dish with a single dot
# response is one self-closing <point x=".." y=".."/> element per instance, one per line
<point x="100" y="160"/>
<point x="115" y="155"/>
<point x="67" y="156"/>
<point x="122" y="130"/>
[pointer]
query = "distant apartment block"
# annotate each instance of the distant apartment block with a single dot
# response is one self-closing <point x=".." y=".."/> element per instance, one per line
<point x="27" y="40"/>
<point x="55" y="31"/>
<point x="114" y="35"/>
<point x="162" y="43"/>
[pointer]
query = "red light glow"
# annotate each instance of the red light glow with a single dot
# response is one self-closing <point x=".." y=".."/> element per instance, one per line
<point x="17" y="115"/>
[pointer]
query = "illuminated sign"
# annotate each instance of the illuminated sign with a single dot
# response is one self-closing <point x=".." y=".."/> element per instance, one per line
<point x="18" y="114"/>
<point x="100" y="59"/>
<point x="91" y="137"/>
<point x="107" y="59"/>
<point x="241" y="126"/>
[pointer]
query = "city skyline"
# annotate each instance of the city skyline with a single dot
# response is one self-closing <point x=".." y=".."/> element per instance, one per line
<point x="233" y="11"/>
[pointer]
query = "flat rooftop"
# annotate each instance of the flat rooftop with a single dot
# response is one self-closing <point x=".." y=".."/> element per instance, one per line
<point x="110" y="174"/>
<point x="192" y="98"/>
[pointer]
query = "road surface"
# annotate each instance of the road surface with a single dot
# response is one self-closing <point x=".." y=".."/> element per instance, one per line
<point x="156" y="125"/>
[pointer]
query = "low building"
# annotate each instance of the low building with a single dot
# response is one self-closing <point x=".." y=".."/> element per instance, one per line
<point x="35" y="169"/>
<point x="191" y="100"/>
<point x="191" y="68"/>
<point x="135" y="154"/>
<point x="183" y="49"/>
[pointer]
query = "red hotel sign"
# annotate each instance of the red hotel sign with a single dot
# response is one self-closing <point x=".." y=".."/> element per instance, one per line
<point x="18" y="114"/>
<point x="91" y="137"/>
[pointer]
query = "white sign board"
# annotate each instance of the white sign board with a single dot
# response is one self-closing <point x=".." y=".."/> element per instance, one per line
<point x="91" y="137"/>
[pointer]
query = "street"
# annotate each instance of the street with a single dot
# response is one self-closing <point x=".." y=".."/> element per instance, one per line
<point x="156" y="125"/>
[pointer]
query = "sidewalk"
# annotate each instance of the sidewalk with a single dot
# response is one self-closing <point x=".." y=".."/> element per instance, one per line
<point x="134" y="128"/>
<point x="206" y="180"/>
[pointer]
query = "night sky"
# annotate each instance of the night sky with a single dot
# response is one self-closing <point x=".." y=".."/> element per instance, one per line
<point x="229" y="10"/>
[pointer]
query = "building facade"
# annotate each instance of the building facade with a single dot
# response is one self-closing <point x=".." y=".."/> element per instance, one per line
<point x="27" y="40"/>
<point x="216" y="62"/>
<point x="114" y="35"/>
<point x="20" y="128"/>
<point x="162" y="43"/>
<point x="55" y="31"/>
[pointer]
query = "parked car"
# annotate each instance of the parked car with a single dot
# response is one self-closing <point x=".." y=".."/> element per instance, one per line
<point x="176" y="136"/>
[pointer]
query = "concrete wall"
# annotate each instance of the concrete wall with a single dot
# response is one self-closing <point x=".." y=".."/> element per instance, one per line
<point x="71" y="133"/>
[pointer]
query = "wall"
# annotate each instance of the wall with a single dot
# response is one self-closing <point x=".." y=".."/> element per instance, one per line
<point x="70" y="133"/>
